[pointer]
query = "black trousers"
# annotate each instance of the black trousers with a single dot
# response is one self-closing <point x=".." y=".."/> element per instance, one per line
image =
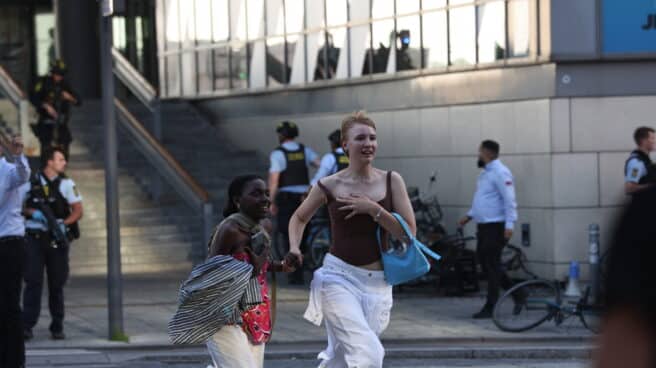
<point x="287" y="204"/>
<point x="12" y="346"/>
<point x="41" y="255"/>
<point x="49" y="133"/>
<point x="491" y="241"/>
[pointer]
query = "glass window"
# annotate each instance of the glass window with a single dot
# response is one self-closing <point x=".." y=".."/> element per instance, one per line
<point x="189" y="73"/>
<point x="462" y="29"/>
<point x="255" y="19"/>
<point x="382" y="8"/>
<point x="239" y="66"/>
<point x="435" y="40"/>
<point x="295" y="59"/>
<point x="519" y="28"/>
<point x="491" y="32"/>
<point x="172" y="24"/>
<point x="220" y="20"/>
<point x="187" y="25"/>
<point x="327" y="51"/>
<point x="275" y="19"/>
<point x="277" y="71"/>
<point x="221" y="65"/>
<point x="383" y="36"/>
<point x="433" y="4"/>
<point x="361" y="52"/>
<point x="205" y="71"/>
<point x="408" y="43"/>
<point x="173" y="75"/>
<point x="337" y="55"/>
<point x="294" y="15"/>
<point x="336" y="12"/>
<point x="407" y="6"/>
<point x="460" y="2"/>
<point x="203" y="22"/>
<point x="257" y="65"/>
<point x="359" y="10"/>
<point x="238" y="20"/>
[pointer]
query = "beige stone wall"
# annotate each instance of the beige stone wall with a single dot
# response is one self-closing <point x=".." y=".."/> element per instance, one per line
<point x="567" y="156"/>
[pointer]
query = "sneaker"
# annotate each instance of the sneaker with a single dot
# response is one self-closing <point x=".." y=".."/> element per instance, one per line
<point x="27" y="334"/>
<point x="58" y="335"/>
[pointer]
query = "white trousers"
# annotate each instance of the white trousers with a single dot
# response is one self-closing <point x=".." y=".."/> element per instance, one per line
<point x="356" y="305"/>
<point x="230" y="348"/>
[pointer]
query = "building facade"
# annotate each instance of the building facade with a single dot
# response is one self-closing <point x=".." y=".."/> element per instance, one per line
<point x="560" y="84"/>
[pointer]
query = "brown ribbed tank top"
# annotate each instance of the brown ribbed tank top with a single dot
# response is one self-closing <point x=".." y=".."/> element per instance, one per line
<point x="354" y="240"/>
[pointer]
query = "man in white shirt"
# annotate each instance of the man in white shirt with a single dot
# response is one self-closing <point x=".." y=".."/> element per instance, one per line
<point x="12" y="238"/>
<point x="494" y="209"/>
<point x="51" y="194"/>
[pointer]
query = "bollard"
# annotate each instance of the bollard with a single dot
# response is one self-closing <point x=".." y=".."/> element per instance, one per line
<point x="573" y="289"/>
<point x="593" y="256"/>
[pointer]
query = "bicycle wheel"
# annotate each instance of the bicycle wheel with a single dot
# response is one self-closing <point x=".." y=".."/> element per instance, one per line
<point x="591" y="317"/>
<point x="318" y="246"/>
<point x="526" y="305"/>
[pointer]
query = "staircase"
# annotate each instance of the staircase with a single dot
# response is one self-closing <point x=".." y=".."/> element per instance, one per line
<point x="155" y="236"/>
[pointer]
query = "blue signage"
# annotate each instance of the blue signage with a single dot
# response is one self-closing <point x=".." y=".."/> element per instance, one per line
<point x="629" y="26"/>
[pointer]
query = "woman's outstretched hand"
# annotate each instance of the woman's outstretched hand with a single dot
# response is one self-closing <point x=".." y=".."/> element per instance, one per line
<point x="358" y="205"/>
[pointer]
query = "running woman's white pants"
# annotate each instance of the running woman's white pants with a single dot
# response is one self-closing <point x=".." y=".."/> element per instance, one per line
<point x="356" y="305"/>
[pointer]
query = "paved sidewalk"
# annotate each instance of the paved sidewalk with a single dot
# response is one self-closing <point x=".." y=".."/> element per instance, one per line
<point x="150" y="300"/>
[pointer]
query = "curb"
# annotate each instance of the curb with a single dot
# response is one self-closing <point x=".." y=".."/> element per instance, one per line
<point x="444" y="341"/>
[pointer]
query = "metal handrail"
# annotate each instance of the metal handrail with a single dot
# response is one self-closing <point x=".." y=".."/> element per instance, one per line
<point x="135" y="82"/>
<point x="10" y="87"/>
<point x="160" y="157"/>
<point x="170" y="169"/>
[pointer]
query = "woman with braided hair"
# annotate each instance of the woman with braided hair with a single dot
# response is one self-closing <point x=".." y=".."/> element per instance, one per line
<point x="244" y="235"/>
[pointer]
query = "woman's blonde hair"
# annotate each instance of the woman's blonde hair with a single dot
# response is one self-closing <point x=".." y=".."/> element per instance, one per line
<point x="358" y="117"/>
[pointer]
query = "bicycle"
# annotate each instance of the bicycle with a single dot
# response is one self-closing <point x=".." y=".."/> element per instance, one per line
<point x="318" y="241"/>
<point x="514" y="259"/>
<point x="533" y="302"/>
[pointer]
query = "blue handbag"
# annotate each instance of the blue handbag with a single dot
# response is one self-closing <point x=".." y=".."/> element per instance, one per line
<point x="408" y="262"/>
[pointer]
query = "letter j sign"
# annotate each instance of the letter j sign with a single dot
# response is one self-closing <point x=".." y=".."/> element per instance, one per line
<point x="629" y="27"/>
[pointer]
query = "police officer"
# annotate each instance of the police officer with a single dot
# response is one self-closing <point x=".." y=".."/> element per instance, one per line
<point x="334" y="161"/>
<point x="495" y="211"/>
<point x="12" y="238"/>
<point x="52" y="96"/>
<point x="51" y="193"/>
<point x="639" y="171"/>
<point x="289" y="179"/>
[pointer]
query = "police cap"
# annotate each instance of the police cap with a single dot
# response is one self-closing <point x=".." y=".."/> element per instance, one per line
<point x="58" y="66"/>
<point x="287" y="129"/>
<point x="335" y="137"/>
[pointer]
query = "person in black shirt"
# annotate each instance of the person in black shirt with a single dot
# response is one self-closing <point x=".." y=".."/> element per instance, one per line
<point x="52" y="97"/>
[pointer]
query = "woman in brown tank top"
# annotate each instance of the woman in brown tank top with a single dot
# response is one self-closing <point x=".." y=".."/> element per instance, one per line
<point x="349" y="290"/>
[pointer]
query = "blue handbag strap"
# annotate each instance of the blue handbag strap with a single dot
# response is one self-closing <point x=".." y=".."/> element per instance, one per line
<point x="406" y="229"/>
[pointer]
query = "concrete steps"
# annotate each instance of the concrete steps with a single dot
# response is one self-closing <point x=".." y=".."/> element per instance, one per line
<point x="155" y="236"/>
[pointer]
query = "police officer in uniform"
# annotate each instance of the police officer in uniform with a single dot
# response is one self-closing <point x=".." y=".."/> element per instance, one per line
<point x="289" y="179"/>
<point x="53" y="96"/>
<point x="334" y="161"/>
<point x="639" y="171"/>
<point x="494" y="209"/>
<point x="52" y="189"/>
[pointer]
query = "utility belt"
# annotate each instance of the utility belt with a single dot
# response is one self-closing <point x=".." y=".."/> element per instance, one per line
<point x="9" y="239"/>
<point x="288" y="196"/>
<point x="43" y="236"/>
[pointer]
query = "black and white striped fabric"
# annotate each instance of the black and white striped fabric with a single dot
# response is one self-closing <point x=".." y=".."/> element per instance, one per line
<point x="215" y="294"/>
